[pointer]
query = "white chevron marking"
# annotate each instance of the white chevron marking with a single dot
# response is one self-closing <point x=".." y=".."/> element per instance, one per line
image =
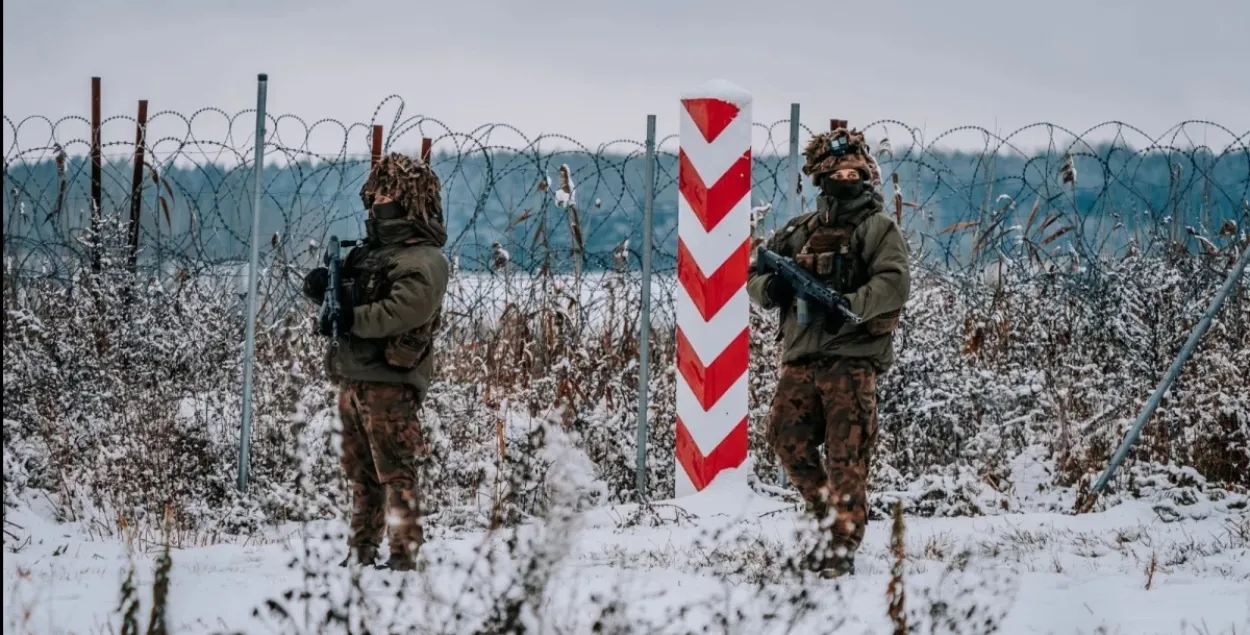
<point x="681" y="481"/>
<point x="714" y="159"/>
<point x="711" y="249"/>
<point x="709" y="339"/>
<point x="709" y="428"/>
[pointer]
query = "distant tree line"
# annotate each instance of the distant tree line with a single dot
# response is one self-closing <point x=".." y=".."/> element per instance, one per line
<point x="204" y="211"/>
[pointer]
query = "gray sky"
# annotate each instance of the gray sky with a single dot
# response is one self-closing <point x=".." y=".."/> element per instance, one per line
<point x="592" y="70"/>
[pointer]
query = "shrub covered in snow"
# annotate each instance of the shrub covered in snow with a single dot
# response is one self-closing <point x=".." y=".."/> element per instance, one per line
<point x="1029" y="385"/>
<point x="121" y="394"/>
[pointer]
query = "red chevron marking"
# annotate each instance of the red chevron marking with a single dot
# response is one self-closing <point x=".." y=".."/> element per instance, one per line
<point x="710" y="293"/>
<point x="711" y="115"/>
<point x="710" y="383"/>
<point x="730" y="453"/>
<point x="712" y="204"/>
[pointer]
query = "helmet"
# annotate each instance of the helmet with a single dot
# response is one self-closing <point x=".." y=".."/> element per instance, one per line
<point x="410" y="183"/>
<point x="840" y="149"/>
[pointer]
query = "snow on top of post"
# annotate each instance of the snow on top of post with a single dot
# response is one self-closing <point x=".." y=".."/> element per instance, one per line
<point x="719" y="89"/>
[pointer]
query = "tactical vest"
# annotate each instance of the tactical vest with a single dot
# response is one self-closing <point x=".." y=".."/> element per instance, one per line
<point x="366" y="281"/>
<point x="828" y="253"/>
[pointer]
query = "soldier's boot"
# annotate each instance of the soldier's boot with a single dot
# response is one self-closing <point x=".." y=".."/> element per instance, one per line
<point x="400" y="563"/>
<point x="403" y="555"/>
<point x="360" y="554"/>
<point x="829" y="566"/>
<point x="407" y="535"/>
<point x="837" y="560"/>
<point x="837" y="567"/>
<point x="816" y="512"/>
<point x="831" y="558"/>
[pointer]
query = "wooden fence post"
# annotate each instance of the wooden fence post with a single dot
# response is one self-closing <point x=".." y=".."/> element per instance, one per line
<point x="95" y="174"/>
<point x="375" y="154"/>
<point x="898" y="200"/>
<point x="136" y="184"/>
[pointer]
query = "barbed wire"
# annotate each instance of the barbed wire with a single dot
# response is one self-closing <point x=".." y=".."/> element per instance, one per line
<point x="1106" y="190"/>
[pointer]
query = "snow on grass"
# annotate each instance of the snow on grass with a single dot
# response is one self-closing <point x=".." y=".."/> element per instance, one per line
<point x="706" y="561"/>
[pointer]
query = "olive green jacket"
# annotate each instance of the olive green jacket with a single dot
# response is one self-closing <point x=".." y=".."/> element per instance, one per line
<point x="398" y="278"/>
<point x="882" y="260"/>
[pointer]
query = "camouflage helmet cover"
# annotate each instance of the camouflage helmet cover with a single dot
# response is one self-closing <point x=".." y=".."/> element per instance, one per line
<point x="840" y="149"/>
<point x="410" y="183"/>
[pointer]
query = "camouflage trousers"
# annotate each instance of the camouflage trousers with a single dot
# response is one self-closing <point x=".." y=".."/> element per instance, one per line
<point x="831" y="402"/>
<point x="383" y="446"/>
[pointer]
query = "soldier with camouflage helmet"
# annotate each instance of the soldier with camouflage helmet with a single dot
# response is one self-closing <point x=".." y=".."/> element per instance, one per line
<point x="392" y="292"/>
<point x="826" y="391"/>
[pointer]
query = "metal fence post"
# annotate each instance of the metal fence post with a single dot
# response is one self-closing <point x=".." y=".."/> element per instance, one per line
<point x="245" y="430"/>
<point x="792" y="207"/>
<point x="1174" y="370"/>
<point x="644" y="327"/>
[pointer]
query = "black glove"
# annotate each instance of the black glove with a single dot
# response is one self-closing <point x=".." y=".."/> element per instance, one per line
<point x="315" y="283"/>
<point x="779" y="291"/>
<point x="346" y="318"/>
<point x="346" y="315"/>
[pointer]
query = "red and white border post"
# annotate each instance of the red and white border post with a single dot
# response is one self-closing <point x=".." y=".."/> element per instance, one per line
<point x="713" y="252"/>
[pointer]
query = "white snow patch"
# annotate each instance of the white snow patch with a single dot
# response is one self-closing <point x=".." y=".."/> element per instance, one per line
<point x="1032" y="473"/>
<point x="676" y="575"/>
<point x="719" y="89"/>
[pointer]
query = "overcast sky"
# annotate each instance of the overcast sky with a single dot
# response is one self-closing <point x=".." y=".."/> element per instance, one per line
<point x="593" y="69"/>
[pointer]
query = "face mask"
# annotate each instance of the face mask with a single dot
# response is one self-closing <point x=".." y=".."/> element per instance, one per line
<point x="381" y="213"/>
<point x="388" y="211"/>
<point x="843" y="190"/>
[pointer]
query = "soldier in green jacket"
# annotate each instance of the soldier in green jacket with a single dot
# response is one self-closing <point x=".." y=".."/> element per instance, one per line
<point x="826" y="391"/>
<point x="392" y="294"/>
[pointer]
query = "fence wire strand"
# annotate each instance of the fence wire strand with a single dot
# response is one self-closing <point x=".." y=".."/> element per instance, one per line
<point x="556" y="205"/>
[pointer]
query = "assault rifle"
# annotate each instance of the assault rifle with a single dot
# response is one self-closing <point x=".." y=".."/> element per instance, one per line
<point x="331" y="307"/>
<point x="806" y="287"/>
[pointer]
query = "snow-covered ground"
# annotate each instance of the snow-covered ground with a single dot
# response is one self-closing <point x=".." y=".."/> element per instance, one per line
<point x="710" y="561"/>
